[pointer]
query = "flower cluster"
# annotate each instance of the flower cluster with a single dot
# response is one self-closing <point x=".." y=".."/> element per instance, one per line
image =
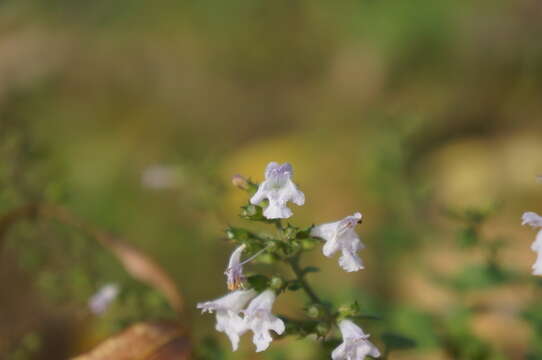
<point x="248" y="305"/>
<point x="256" y="317"/>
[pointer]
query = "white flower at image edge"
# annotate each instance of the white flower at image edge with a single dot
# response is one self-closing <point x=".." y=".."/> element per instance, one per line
<point x="227" y="310"/>
<point x="100" y="301"/>
<point x="535" y="220"/>
<point x="278" y="189"/>
<point x="340" y="235"/>
<point x="355" y="345"/>
<point x="259" y="319"/>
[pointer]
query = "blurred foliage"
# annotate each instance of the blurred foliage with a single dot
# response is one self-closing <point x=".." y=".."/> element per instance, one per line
<point x="135" y="116"/>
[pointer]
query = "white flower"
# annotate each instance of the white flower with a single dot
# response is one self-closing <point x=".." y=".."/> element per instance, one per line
<point x="259" y="319"/>
<point x="340" y="235"/>
<point x="100" y="301"/>
<point x="227" y="310"/>
<point x="234" y="272"/>
<point x="355" y="345"/>
<point x="534" y="220"/>
<point x="278" y="188"/>
<point x="161" y="177"/>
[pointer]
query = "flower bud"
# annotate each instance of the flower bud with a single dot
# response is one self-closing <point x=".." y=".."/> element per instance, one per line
<point x="276" y="283"/>
<point x="295" y="246"/>
<point x="314" y="311"/>
<point x="349" y="310"/>
<point x="307" y="244"/>
<point x="239" y="181"/>
<point x="252" y="212"/>
<point x="290" y="232"/>
<point x="238" y="234"/>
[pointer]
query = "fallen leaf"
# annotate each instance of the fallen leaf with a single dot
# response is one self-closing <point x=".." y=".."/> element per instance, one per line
<point x="144" y="341"/>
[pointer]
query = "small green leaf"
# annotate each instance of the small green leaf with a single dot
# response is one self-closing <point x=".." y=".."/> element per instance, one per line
<point x="304" y="233"/>
<point x="294" y="285"/>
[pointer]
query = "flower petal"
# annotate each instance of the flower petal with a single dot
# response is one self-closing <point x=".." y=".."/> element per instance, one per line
<point x="325" y="231"/>
<point x="290" y="192"/>
<point x="277" y="210"/>
<point x="234" y="271"/>
<point x="259" y="319"/>
<point x="532" y="219"/>
<point x="260" y="195"/>
<point x="339" y="353"/>
<point x="262" y="340"/>
<point x="350" y="261"/>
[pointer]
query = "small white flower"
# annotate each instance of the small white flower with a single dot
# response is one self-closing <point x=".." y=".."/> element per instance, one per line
<point x="100" y="301"/>
<point x="355" y="345"/>
<point x="534" y="220"/>
<point x="340" y="235"/>
<point x="234" y="272"/>
<point x="161" y="177"/>
<point x="278" y="188"/>
<point x="259" y="319"/>
<point x="227" y="310"/>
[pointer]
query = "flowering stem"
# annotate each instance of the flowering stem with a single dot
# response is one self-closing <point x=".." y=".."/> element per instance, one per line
<point x="294" y="264"/>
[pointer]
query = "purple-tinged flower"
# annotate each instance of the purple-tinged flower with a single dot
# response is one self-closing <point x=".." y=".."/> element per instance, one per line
<point x="227" y="310"/>
<point x="278" y="189"/>
<point x="340" y="235"/>
<point x="355" y="345"/>
<point x="259" y="319"/>
<point x="234" y="272"/>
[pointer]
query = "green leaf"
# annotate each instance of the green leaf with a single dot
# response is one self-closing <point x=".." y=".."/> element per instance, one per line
<point x="397" y="342"/>
<point x="294" y="285"/>
<point x="304" y="233"/>
<point x="258" y="282"/>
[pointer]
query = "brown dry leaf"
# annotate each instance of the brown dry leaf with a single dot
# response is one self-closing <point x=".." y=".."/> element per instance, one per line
<point x="136" y="263"/>
<point x="143" y="268"/>
<point x="143" y="341"/>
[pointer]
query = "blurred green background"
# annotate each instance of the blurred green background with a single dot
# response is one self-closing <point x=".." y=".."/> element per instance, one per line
<point x="424" y="115"/>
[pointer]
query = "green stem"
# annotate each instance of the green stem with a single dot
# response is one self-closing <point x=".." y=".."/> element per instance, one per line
<point x="278" y="225"/>
<point x="294" y="264"/>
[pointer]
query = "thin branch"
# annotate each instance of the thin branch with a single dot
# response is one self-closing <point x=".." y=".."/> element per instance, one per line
<point x="294" y="264"/>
